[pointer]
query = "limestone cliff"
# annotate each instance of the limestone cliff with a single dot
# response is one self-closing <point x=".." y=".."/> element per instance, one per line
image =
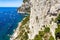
<point x="25" y="7"/>
<point x="43" y="23"/>
<point x="42" y="13"/>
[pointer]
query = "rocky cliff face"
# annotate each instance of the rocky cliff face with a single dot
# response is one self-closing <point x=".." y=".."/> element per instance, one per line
<point x="42" y="23"/>
<point x="42" y="13"/>
<point x="25" y="7"/>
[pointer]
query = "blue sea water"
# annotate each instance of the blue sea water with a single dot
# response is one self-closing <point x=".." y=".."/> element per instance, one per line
<point x="9" y="19"/>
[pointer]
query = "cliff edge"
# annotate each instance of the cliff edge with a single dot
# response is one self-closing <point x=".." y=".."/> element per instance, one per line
<point x="42" y="23"/>
<point x="25" y="7"/>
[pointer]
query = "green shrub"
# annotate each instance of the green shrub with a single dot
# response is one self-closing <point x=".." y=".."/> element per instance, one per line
<point x="57" y="29"/>
<point x="47" y="29"/>
<point x="25" y="20"/>
<point x="38" y="37"/>
<point x="22" y="37"/>
<point x="51" y="38"/>
<point x="58" y="18"/>
<point x="41" y="33"/>
<point x="25" y="36"/>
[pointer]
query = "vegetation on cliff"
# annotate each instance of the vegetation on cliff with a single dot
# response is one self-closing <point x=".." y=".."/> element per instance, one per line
<point x="57" y="31"/>
<point x="51" y="38"/>
<point x="23" y="29"/>
<point x="46" y="34"/>
<point x="43" y="34"/>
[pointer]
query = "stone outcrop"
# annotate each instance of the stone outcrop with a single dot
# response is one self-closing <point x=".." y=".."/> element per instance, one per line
<point x="25" y="7"/>
<point x="43" y="14"/>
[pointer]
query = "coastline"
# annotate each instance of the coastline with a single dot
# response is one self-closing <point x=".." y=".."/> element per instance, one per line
<point x="15" y="34"/>
<point x="20" y="25"/>
<point x="41" y="24"/>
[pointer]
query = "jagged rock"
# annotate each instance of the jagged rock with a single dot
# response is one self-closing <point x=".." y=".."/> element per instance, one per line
<point x="25" y="8"/>
<point x="42" y="14"/>
<point x="45" y="10"/>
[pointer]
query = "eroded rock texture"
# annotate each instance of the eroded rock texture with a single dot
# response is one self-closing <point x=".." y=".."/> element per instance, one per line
<point x="42" y="13"/>
<point x="42" y="18"/>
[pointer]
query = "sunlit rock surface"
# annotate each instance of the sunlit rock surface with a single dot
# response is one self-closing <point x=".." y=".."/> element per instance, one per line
<point x="44" y="10"/>
<point x="43" y="14"/>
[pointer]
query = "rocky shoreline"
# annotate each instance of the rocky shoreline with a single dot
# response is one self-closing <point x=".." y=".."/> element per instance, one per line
<point x="15" y="34"/>
<point x="18" y="30"/>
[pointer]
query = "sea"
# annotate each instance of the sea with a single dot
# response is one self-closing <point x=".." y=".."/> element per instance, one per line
<point x="9" y="19"/>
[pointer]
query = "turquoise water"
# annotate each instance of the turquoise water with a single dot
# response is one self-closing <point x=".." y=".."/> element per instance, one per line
<point x="9" y="19"/>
